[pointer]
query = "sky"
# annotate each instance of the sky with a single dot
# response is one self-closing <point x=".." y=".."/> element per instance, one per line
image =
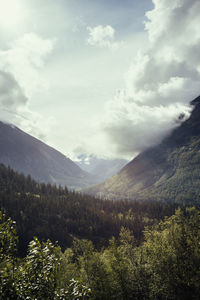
<point x="108" y="78"/>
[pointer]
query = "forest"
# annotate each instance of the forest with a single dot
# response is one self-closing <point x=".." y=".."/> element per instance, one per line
<point x="59" y="244"/>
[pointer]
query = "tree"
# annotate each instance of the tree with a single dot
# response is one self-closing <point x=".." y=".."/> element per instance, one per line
<point x="37" y="276"/>
<point x="8" y="247"/>
<point x="173" y="256"/>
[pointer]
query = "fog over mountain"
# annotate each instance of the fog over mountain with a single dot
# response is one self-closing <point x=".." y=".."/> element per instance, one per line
<point x="161" y="81"/>
<point x="111" y="84"/>
<point x="165" y="172"/>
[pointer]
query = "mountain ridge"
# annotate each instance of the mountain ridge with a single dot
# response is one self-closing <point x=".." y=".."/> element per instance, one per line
<point x="29" y="155"/>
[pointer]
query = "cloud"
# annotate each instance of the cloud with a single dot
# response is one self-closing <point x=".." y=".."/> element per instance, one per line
<point x="14" y="107"/>
<point x="20" y="66"/>
<point x="12" y="98"/>
<point x="161" y="81"/>
<point x="24" y="58"/>
<point x="103" y="37"/>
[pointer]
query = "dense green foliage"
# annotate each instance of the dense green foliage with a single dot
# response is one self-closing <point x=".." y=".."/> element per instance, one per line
<point x="165" y="266"/>
<point x="35" y="276"/>
<point x="55" y="213"/>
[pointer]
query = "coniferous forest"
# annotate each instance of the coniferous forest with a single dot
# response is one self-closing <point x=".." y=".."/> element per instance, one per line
<point x="58" y="244"/>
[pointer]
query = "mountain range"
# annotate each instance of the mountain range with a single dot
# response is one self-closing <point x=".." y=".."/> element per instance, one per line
<point x="169" y="171"/>
<point x="28" y="155"/>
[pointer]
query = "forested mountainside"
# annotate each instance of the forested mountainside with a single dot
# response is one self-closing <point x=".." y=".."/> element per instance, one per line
<point x="29" y="155"/>
<point x="169" y="171"/>
<point x="163" y="265"/>
<point x="47" y="211"/>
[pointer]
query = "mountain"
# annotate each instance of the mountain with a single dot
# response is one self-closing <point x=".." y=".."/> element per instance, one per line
<point x="102" y="168"/>
<point x="28" y="155"/>
<point x="169" y="171"/>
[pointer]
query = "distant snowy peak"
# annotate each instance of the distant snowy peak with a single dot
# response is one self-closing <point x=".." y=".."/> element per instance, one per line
<point x="101" y="167"/>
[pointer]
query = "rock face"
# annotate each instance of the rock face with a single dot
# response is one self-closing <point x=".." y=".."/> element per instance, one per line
<point x="29" y="155"/>
<point x="169" y="171"/>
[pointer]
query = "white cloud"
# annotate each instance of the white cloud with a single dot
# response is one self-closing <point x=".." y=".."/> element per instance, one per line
<point x="25" y="58"/>
<point x="12" y="98"/>
<point x="161" y="80"/>
<point x="103" y="37"/>
<point x="20" y="78"/>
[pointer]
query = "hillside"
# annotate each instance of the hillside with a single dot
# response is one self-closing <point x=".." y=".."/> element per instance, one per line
<point x="28" y="155"/>
<point x="169" y="171"/>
